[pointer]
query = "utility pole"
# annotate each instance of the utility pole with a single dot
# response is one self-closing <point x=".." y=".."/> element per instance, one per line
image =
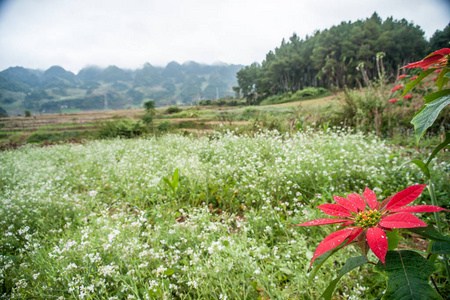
<point x="105" y="102"/>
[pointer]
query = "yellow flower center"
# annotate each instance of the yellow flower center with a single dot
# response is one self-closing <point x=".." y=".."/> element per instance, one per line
<point x="367" y="219"/>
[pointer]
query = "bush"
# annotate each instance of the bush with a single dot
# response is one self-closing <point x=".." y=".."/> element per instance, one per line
<point x="54" y="137"/>
<point x="173" y="110"/>
<point x="304" y="94"/>
<point x="163" y="126"/>
<point x="125" y="128"/>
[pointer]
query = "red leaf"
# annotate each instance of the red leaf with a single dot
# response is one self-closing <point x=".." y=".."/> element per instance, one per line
<point x="419" y="209"/>
<point x="322" y="222"/>
<point x="405" y="197"/>
<point x="331" y="242"/>
<point x="401" y="220"/>
<point x="377" y="240"/>
<point x="357" y="200"/>
<point x="444" y="51"/>
<point x="349" y="222"/>
<point x="346" y="203"/>
<point x="334" y="210"/>
<point x="355" y="233"/>
<point x="371" y="198"/>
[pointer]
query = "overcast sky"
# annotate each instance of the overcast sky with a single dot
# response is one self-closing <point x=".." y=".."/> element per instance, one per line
<point x="127" y="33"/>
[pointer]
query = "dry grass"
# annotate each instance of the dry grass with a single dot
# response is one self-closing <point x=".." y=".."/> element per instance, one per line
<point x="309" y="103"/>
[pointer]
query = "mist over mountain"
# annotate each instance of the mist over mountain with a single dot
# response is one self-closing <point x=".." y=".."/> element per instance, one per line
<point x="57" y="90"/>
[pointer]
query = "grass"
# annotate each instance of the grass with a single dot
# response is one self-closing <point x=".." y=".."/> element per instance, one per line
<point x="222" y="229"/>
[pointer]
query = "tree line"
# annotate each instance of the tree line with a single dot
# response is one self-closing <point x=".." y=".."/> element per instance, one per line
<point x="346" y="55"/>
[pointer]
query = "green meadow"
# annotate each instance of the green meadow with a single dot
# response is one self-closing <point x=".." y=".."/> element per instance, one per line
<point x="188" y="217"/>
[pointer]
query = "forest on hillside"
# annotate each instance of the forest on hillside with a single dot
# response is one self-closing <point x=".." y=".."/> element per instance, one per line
<point x="58" y="90"/>
<point x="346" y="55"/>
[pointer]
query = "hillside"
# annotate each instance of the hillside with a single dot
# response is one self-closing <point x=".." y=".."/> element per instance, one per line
<point x="57" y="90"/>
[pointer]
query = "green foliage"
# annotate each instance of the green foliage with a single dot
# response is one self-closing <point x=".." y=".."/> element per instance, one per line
<point x="304" y="94"/>
<point x="27" y="113"/>
<point x="440" y="248"/>
<point x="431" y="233"/>
<point x="42" y="137"/>
<point x="352" y="263"/>
<point x="149" y="112"/>
<point x="163" y="126"/>
<point x="125" y="128"/>
<point x="123" y="232"/>
<point x="331" y="57"/>
<point x="173" y="110"/>
<point x="149" y="107"/>
<point x="407" y="274"/>
<point x="147" y="119"/>
<point x="426" y="116"/>
<point x="440" y="39"/>
<point x="174" y="182"/>
<point x="364" y="110"/>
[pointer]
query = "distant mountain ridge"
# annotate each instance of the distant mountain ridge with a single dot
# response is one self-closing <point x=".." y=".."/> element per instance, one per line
<point x="57" y="89"/>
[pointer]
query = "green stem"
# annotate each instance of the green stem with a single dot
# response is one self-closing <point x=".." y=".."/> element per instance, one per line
<point x="437" y="218"/>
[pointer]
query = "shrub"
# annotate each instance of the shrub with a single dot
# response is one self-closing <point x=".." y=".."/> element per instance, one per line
<point x="305" y="94"/>
<point x="173" y="110"/>
<point x="163" y="126"/>
<point x="123" y="128"/>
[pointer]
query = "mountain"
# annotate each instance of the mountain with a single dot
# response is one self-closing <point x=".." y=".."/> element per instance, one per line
<point x="22" y="75"/>
<point x="56" y="76"/>
<point x="57" y="90"/>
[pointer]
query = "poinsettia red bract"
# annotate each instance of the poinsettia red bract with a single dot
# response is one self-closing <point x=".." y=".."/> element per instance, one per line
<point x="437" y="59"/>
<point x="368" y="219"/>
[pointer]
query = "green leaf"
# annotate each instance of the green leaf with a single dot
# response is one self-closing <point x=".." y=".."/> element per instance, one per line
<point x="430" y="233"/>
<point x="440" y="248"/>
<point x="175" y="177"/>
<point x="322" y="259"/>
<point x="407" y="275"/>
<point x="352" y="263"/>
<point x="426" y="116"/>
<point x="286" y="271"/>
<point x="423" y="167"/>
<point x="441" y="79"/>
<point x="413" y="83"/>
<point x="431" y="97"/>
<point x="393" y="239"/>
<point x="168" y="182"/>
<point x="169" y="272"/>
<point x="439" y="148"/>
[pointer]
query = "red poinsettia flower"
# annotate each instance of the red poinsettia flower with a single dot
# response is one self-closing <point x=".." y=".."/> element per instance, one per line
<point x="414" y="78"/>
<point x="401" y="76"/>
<point x="407" y="97"/>
<point x="437" y="59"/>
<point x="393" y="100"/>
<point x="368" y="225"/>
<point x="397" y="88"/>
